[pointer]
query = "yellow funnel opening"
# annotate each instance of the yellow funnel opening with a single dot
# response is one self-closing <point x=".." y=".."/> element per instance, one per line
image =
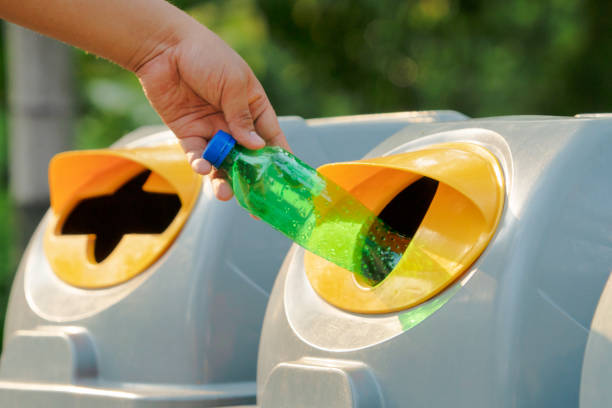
<point x="458" y="225"/>
<point x="85" y="176"/>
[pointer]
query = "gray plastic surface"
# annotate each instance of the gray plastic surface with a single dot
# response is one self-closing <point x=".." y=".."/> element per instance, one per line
<point x="513" y="331"/>
<point x="184" y="333"/>
<point x="340" y="384"/>
<point x="595" y="390"/>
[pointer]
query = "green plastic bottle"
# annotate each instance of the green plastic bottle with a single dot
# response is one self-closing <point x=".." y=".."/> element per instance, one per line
<point x="310" y="209"/>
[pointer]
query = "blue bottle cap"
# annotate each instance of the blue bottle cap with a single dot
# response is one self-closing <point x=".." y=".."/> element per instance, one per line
<point x="218" y="148"/>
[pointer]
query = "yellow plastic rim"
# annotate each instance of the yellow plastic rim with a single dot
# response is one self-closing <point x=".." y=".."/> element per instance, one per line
<point x="74" y="176"/>
<point x="458" y="225"/>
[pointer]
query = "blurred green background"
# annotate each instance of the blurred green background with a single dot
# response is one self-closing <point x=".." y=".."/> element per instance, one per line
<point x="336" y="57"/>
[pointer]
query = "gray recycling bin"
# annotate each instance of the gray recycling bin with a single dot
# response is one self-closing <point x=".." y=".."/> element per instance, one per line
<point x="524" y="323"/>
<point x="139" y="289"/>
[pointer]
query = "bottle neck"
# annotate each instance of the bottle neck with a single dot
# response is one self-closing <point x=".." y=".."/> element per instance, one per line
<point x="230" y="159"/>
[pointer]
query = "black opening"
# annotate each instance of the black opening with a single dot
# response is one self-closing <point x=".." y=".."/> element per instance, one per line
<point x="130" y="210"/>
<point x="386" y="242"/>
<point x="406" y="211"/>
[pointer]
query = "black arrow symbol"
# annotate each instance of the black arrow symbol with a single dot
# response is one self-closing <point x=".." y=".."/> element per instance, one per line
<point x="129" y="210"/>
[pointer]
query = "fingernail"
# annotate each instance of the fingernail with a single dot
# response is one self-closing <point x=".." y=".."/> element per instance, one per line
<point x="255" y="138"/>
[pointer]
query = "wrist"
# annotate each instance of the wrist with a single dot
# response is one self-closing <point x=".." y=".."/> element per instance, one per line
<point x="166" y="36"/>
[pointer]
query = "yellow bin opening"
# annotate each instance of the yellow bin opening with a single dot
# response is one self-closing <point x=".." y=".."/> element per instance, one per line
<point x="98" y="233"/>
<point x="458" y="225"/>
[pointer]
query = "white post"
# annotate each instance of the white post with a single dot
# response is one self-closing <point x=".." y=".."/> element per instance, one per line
<point x="41" y="115"/>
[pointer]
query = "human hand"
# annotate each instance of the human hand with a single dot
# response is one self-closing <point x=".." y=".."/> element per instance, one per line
<point x="194" y="80"/>
<point x="199" y="85"/>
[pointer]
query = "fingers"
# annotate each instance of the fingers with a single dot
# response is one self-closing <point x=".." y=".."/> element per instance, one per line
<point x="193" y="136"/>
<point x="267" y="126"/>
<point x="221" y="188"/>
<point x="235" y="106"/>
<point x="193" y="148"/>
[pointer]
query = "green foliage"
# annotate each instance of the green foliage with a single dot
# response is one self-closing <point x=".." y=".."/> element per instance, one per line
<point x="481" y="58"/>
<point x="8" y="257"/>
<point x="3" y="128"/>
<point x="3" y="149"/>
<point x="111" y="103"/>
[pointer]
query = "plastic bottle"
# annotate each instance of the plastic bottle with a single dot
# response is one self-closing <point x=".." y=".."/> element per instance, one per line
<point x="310" y="209"/>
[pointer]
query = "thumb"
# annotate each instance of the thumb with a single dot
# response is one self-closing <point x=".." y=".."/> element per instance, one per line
<point x="235" y="106"/>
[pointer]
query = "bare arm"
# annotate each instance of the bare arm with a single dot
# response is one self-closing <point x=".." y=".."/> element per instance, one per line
<point x="126" y="32"/>
<point x="193" y="79"/>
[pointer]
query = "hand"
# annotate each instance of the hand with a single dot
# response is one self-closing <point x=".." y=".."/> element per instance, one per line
<point x="195" y="82"/>
<point x="199" y="85"/>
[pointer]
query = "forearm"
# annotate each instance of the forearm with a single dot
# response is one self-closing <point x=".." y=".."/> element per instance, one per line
<point x="128" y="32"/>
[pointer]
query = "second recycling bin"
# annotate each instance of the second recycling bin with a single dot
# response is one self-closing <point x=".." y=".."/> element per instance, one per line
<point x="493" y="302"/>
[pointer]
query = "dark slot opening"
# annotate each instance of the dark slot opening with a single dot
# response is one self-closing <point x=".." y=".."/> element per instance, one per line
<point x="386" y="242"/>
<point x="406" y="211"/>
<point x="130" y="210"/>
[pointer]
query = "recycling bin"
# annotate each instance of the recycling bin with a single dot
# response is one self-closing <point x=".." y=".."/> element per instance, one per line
<point x="502" y="297"/>
<point x="140" y="289"/>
